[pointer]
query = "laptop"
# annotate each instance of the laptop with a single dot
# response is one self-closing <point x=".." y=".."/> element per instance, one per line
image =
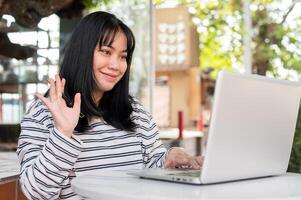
<point x="250" y="134"/>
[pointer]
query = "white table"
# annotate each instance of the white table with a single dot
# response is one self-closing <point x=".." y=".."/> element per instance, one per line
<point x="9" y="166"/>
<point x="110" y="185"/>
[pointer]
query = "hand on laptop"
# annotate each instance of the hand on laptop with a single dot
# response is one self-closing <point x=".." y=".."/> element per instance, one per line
<point x="178" y="158"/>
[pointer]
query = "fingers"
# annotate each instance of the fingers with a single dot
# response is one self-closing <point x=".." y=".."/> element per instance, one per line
<point x="199" y="160"/>
<point x="77" y="101"/>
<point x="52" y="92"/>
<point x="58" y="86"/>
<point x="63" y="85"/>
<point x="177" y="158"/>
<point x="43" y="99"/>
<point x="187" y="162"/>
<point x="194" y="164"/>
<point x="169" y="164"/>
<point x="182" y="163"/>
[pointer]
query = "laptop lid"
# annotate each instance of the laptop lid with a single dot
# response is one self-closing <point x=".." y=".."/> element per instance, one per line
<point x="252" y="127"/>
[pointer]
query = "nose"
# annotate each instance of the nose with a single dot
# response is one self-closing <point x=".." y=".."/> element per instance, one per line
<point x="113" y="63"/>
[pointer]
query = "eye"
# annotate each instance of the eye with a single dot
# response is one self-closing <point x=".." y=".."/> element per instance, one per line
<point x="105" y="52"/>
<point x="123" y="57"/>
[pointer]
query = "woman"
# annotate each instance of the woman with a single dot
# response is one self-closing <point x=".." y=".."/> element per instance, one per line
<point x="88" y="121"/>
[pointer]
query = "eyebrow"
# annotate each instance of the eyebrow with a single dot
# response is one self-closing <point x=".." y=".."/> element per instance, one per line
<point x="125" y="50"/>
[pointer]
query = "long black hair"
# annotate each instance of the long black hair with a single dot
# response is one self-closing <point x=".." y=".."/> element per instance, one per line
<point x="115" y="106"/>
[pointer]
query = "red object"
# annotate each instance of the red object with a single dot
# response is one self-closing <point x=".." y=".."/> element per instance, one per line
<point x="180" y="124"/>
<point x="200" y="123"/>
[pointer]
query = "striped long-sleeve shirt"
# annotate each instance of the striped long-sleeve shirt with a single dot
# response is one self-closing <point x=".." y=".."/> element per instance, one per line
<point x="49" y="160"/>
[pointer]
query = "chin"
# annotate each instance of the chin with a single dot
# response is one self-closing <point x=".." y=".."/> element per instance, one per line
<point x="106" y="86"/>
<point x="107" y="89"/>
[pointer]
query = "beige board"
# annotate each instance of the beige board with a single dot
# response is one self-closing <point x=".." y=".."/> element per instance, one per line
<point x="185" y="96"/>
<point x="176" y="40"/>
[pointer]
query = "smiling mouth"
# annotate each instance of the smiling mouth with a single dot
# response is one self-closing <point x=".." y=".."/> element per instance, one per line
<point x="110" y="76"/>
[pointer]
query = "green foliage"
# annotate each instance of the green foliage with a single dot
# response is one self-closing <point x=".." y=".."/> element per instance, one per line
<point x="91" y="4"/>
<point x="295" y="159"/>
<point x="275" y="43"/>
<point x="158" y="2"/>
<point x="94" y="5"/>
<point x="219" y="48"/>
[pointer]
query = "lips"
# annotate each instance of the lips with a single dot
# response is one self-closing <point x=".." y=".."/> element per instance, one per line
<point x="110" y="77"/>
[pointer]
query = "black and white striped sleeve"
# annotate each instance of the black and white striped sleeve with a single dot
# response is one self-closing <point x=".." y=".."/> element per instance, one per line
<point x="47" y="157"/>
<point x="153" y="150"/>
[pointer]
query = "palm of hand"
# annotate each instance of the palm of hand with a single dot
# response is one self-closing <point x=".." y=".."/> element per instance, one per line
<point x="65" y="118"/>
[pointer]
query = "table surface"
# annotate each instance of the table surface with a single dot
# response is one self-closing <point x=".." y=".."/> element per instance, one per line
<point x="9" y="166"/>
<point x="116" y="185"/>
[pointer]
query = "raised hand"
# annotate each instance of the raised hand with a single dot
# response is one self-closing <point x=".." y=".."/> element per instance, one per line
<point x="65" y="118"/>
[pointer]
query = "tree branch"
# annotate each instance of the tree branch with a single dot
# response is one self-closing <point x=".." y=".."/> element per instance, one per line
<point x="289" y="11"/>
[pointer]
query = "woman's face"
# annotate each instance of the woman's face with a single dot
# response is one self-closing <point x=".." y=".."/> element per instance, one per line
<point x="109" y="65"/>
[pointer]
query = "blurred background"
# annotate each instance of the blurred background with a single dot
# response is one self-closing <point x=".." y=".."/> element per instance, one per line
<point x="181" y="46"/>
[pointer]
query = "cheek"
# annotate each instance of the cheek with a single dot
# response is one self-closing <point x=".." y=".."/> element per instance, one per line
<point x="99" y="61"/>
<point x="123" y="68"/>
